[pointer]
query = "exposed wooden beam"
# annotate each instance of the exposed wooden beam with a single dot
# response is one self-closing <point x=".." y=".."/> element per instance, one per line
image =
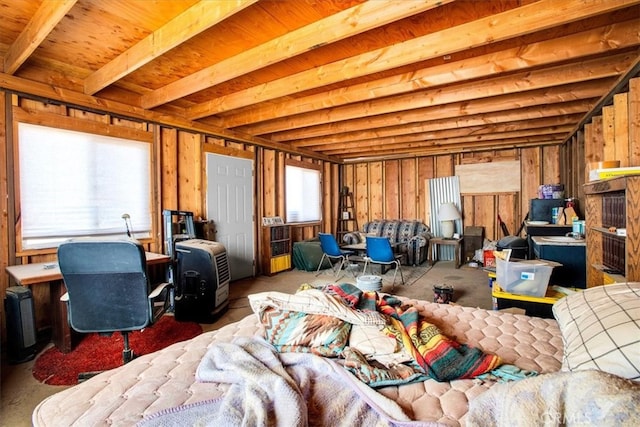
<point x="410" y="134"/>
<point x="433" y="138"/>
<point x="189" y="23"/>
<point x="633" y="71"/>
<point x="329" y="30"/>
<point x="43" y="21"/>
<point x="587" y="43"/>
<point x="533" y="17"/>
<point x="515" y="83"/>
<point x="419" y="148"/>
<point x="545" y="98"/>
<point x="437" y="150"/>
<point x="483" y="109"/>
<point x="92" y="103"/>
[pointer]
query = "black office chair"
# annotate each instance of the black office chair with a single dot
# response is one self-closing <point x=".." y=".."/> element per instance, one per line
<point x="108" y="289"/>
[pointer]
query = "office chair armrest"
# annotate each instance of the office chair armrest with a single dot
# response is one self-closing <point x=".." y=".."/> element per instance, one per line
<point x="65" y="297"/>
<point x="158" y="290"/>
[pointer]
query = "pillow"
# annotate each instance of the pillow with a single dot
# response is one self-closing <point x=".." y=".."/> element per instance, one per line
<point x="297" y="332"/>
<point x="601" y="329"/>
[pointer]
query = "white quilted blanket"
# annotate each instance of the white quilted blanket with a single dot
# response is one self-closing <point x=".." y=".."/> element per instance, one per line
<point x="166" y="379"/>
<point x="279" y="389"/>
<point x="582" y="398"/>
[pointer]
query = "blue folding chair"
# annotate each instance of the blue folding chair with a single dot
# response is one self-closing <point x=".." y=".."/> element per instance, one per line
<point x="332" y="252"/>
<point x="379" y="251"/>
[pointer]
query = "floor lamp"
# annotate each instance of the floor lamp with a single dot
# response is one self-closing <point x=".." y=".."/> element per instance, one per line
<point x="447" y="214"/>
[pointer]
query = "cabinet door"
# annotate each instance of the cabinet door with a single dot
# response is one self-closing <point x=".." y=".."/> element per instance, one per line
<point x="573" y="271"/>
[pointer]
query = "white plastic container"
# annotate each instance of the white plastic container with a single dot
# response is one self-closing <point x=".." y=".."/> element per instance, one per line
<point x="524" y="277"/>
<point x="369" y="283"/>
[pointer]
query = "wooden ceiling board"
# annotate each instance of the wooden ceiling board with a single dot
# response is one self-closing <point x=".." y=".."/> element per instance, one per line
<point x="455" y="76"/>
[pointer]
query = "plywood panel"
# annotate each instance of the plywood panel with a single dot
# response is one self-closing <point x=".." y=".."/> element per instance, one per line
<point x="444" y="166"/>
<point x="621" y="128"/>
<point x="329" y="198"/>
<point x="408" y="195"/>
<point x="169" y="160"/>
<point x="634" y="122"/>
<point x="280" y="192"/>
<point x="530" y="165"/>
<point x="4" y="207"/>
<point x="376" y="192"/>
<point x="362" y="192"/>
<point x="598" y="137"/>
<point x="268" y="168"/>
<point x="392" y="182"/>
<point x="550" y="164"/>
<point x="425" y="171"/>
<point x="494" y="177"/>
<point x="484" y="214"/>
<point x="608" y="133"/>
<point x="190" y="173"/>
<point x="507" y="205"/>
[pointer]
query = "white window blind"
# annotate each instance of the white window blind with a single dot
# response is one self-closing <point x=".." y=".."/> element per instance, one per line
<point x="302" y="194"/>
<point x="81" y="184"/>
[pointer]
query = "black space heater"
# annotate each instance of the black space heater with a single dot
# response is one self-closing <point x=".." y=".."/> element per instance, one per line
<point x="21" y="324"/>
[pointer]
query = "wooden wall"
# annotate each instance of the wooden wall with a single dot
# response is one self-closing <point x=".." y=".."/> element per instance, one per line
<point x="382" y="189"/>
<point x="398" y="188"/>
<point x="178" y="164"/>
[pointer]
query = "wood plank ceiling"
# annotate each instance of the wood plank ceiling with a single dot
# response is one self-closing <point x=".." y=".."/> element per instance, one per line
<point x="345" y="80"/>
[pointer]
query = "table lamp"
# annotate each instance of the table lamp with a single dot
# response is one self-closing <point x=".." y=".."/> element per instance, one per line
<point x="447" y="214"/>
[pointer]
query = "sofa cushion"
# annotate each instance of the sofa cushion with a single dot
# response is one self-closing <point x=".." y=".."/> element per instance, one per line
<point x="374" y="228"/>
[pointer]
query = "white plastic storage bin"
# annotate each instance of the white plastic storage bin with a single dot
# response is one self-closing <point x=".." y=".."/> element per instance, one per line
<point x="524" y="277"/>
<point x="369" y="283"/>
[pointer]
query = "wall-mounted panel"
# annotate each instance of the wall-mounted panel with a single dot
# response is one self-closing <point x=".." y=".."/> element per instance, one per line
<point x="492" y="177"/>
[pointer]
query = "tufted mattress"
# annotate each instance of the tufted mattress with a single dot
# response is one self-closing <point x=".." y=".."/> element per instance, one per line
<point x="166" y="378"/>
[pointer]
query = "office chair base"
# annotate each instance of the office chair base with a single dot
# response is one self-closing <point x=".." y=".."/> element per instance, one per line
<point x="127" y="356"/>
<point x="83" y="376"/>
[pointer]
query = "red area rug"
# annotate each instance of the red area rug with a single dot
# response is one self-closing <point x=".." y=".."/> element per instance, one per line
<point x="97" y="353"/>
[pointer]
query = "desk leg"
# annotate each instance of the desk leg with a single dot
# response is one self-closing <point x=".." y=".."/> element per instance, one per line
<point x="430" y="253"/>
<point x="63" y="337"/>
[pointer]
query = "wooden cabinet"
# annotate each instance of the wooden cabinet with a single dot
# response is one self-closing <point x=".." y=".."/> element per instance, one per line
<point x="276" y="252"/>
<point x="572" y="256"/>
<point x="613" y="203"/>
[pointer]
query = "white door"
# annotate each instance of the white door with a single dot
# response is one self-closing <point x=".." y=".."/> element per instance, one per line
<point x="230" y="206"/>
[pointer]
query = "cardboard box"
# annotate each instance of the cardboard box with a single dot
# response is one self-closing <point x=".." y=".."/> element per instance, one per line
<point x="596" y="174"/>
<point x="488" y="259"/>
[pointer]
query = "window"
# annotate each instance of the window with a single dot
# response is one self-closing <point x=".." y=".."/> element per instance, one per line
<point x="302" y="194"/>
<point x="81" y="184"/>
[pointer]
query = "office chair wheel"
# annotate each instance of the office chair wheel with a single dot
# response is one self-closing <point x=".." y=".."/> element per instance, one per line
<point x="127" y="356"/>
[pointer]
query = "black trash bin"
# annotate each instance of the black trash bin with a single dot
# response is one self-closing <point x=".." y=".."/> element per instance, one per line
<point x="519" y="246"/>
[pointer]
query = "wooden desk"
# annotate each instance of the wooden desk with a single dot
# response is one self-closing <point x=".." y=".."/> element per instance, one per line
<point x="456" y="243"/>
<point x="359" y="248"/>
<point x="49" y="272"/>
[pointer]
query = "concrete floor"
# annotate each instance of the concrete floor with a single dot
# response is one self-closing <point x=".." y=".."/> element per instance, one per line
<point x="20" y="392"/>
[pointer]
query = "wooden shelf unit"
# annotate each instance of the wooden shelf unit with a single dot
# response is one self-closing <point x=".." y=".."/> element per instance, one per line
<point x="346" y="221"/>
<point x="612" y="203"/>
<point x="276" y="253"/>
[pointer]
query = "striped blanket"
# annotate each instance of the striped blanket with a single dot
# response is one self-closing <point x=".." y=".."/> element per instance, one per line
<point x="418" y="348"/>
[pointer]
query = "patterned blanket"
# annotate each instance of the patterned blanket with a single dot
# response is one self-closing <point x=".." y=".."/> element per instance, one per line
<point x="406" y="347"/>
